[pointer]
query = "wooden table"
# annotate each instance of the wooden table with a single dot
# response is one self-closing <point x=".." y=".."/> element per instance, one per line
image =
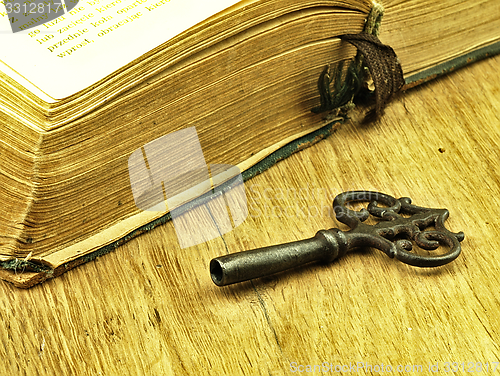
<point x="150" y="308"/>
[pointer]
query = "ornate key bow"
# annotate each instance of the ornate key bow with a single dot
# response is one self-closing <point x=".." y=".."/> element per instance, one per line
<point x="394" y="234"/>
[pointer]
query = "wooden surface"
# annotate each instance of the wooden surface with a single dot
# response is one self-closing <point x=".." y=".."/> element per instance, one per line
<point x="150" y="308"/>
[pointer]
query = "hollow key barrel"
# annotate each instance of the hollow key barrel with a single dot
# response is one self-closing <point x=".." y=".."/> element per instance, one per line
<point x="246" y="265"/>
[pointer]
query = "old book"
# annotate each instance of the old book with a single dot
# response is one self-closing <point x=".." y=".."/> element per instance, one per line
<point x="193" y="88"/>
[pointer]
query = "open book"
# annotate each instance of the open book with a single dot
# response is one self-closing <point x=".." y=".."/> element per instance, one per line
<point x="90" y="100"/>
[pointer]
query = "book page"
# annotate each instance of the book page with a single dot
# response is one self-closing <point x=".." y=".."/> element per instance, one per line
<point x="93" y="39"/>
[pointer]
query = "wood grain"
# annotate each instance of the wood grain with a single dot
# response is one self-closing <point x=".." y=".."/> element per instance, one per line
<point x="150" y="308"/>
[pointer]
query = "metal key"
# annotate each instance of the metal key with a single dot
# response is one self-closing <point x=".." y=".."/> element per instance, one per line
<point x="394" y="234"/>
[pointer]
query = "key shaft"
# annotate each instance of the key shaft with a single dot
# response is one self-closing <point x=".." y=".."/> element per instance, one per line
<point x="325" y="246"/>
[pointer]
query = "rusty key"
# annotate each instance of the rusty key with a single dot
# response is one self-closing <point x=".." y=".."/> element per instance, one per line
<point x="394" y="234"/>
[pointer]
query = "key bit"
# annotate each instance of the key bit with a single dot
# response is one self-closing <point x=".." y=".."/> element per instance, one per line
<point x="394" y="234"/>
